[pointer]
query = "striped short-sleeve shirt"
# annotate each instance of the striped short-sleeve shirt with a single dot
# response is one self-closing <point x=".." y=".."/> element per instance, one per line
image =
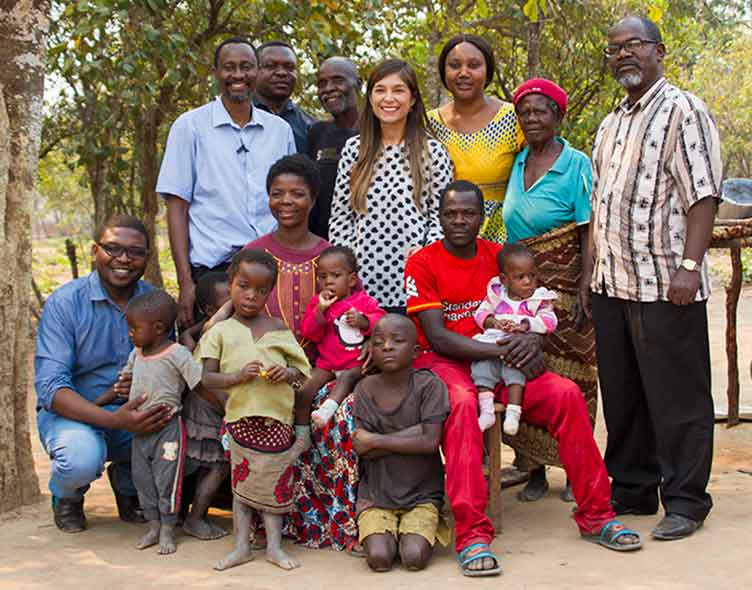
<point x="652" y="160"/>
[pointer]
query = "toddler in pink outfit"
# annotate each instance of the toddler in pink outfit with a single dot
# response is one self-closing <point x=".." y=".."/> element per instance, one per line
<point x="339" y="320"/>
<point x="513" y="303"/>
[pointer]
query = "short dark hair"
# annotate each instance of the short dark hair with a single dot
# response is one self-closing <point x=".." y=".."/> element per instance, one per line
<point x="509" y="251"/>
<point x="233" y="41"/>
<point x="462" y="186"/>
<point x="122" y="221"/>
<point x="273" y="43"/>
<point x="253" y="256"/>
<point x="298" y="165"/>
<point x="156" y="305"/>
<point x="206" y="288"/>
<point x="345" y="252"/>
<point x="651" y="29"/>
<point x="479" y="43"/>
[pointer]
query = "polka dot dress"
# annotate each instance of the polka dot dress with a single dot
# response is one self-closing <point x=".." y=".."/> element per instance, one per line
<point x="393" y="224"/>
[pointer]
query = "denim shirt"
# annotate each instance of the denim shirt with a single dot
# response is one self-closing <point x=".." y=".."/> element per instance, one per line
<point x="82" y="340"/>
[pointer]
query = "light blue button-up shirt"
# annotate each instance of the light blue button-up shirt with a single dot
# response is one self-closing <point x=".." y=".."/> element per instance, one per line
<point x="220" y="169"/>
<point x="82" y="340"/>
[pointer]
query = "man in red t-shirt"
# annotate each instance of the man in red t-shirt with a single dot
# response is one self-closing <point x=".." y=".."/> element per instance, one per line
<point x="445" y="282"/>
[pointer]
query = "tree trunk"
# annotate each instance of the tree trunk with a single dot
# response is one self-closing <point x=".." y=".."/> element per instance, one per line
<point x="23" y="32"/>
<point x="533" y="48"/>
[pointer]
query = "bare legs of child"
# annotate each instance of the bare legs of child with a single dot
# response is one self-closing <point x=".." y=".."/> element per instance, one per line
<point x="242" y="516"/>
<point x="514" y="409"/>
<point x="161" y="533"/>
<point x="381" y="551"/>
<point x="197" y="524"/>
<point x="304" y="399"/>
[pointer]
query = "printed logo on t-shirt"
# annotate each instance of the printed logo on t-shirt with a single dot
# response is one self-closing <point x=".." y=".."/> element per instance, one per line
<point x="170" y="451"/>
<point x="327" y="154"/>
<point x="410" y="287"/>
<point x="351" y="338"/>
<point x="454" y="312"/>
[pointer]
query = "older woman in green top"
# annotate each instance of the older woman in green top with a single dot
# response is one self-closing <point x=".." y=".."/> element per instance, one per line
<point x="547" y="207"/>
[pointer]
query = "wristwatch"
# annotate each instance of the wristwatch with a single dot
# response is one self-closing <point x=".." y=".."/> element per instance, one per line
<point x="690" y="265"/>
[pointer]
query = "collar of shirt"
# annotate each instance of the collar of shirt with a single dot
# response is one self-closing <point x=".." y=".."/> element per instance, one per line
<point x="561" y="165"/>
<point x="287" y="107"/>
<point x="220" y="116"/>
<point x="97" y="291"/>
<point x="628" y="108"/>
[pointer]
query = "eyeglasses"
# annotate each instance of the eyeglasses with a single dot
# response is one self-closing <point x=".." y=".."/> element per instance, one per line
<point x="632" y="46"/>
<point x="116" y="251"/>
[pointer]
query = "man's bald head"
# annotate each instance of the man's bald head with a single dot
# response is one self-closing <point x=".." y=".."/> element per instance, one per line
<point x="338" y="83"/>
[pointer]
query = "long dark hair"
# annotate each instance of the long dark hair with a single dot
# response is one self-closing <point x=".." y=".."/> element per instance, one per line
<point x="370" y="136"/>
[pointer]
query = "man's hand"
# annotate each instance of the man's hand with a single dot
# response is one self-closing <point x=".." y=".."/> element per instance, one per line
<point x="363" y="441"/>
<point x="683" y="287"/>
<point x="355" y="319"/>
<point x="326" y="299"/>
<point x="122" y="386"/>
<point x="251" y="370"/>
<point x="186" y="301"/>
<point x="129" y="417"/>
<point x="523" y="351"/>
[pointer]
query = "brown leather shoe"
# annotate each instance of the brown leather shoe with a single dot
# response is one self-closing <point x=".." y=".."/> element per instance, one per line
<point x="69" y="515"/>
<point x="128" y="507"/>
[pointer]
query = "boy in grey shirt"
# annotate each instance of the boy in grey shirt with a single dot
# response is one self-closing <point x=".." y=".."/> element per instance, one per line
<point x="160" y="368"/>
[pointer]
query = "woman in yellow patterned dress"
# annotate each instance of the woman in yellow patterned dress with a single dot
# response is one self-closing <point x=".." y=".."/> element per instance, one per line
<point x="479" y="131"/>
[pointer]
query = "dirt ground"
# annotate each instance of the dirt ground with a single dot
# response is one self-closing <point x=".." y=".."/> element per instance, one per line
<point x="539" y="546"/>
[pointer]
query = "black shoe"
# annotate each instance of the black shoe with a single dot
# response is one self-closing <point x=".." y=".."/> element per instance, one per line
<point x="675" y="526"/>
<point x="128" y="507"/>
<point x="621" y="509"/>
<point x="69" y="515"/>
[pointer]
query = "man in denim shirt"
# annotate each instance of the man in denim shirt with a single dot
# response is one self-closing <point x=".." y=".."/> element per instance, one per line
<point x="82" y="344"/>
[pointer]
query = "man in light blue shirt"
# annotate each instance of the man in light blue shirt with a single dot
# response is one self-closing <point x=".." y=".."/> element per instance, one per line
<point x="214" y="171"/>
<point x="82" y="344"/>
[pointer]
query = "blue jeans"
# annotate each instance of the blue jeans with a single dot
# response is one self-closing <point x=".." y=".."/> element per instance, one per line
<point x="79" y="451"/>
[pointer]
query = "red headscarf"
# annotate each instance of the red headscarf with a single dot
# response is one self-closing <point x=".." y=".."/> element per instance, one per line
<point x="544" y="87"/>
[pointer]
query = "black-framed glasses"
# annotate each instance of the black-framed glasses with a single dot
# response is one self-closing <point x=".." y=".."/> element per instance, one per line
<point x="116" y="251"/>
<point x="633" y="45"/>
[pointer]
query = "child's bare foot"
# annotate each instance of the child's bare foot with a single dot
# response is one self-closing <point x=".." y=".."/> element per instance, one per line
<point x="203" y="529"/>
<point x="167" y="543"/>
<point x="281" y="559"/>
<point x="151" y="537"/>
<point x="238" y="556"/>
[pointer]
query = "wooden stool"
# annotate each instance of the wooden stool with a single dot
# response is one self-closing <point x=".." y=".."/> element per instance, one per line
<point x="493" y="445"/>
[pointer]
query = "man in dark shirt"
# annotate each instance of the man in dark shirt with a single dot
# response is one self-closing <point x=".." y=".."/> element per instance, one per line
<point x="275" y="83"/>
<point x="338" y="84"/>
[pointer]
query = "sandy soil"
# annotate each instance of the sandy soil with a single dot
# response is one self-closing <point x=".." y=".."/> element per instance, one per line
<point x="539" y="546"/>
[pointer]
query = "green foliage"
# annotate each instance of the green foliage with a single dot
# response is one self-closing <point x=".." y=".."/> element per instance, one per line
<point x="123" y="70"/>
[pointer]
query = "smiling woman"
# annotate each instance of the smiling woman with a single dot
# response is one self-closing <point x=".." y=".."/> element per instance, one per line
<point x="386" y="203"/>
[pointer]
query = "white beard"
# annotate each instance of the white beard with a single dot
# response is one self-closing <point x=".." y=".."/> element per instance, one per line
<point x="628" y="81"/>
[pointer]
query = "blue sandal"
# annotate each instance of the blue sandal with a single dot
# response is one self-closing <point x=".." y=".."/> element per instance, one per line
<point x="610" y="534"/>
<point x="465" y="559"/>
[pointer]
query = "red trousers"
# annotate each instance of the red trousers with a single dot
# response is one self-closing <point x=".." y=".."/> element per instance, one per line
<point x="550" y="401"/>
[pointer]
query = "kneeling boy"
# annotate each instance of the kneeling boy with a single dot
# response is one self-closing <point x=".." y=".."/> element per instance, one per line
<point x="399" y="415"/>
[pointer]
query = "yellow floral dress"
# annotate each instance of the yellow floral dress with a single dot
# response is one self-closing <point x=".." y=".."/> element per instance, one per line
<point x="484" y="157"/>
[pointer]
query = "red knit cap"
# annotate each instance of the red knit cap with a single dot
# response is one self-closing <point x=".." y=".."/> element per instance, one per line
<point x="544" y="87"/>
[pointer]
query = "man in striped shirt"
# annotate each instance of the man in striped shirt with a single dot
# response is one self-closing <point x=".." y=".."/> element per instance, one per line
<point x="656" y="180"/>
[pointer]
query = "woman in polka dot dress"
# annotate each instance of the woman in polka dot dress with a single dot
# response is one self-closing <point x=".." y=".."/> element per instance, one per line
<point x="480" y="131"/>
<point x="386" y="199"/>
